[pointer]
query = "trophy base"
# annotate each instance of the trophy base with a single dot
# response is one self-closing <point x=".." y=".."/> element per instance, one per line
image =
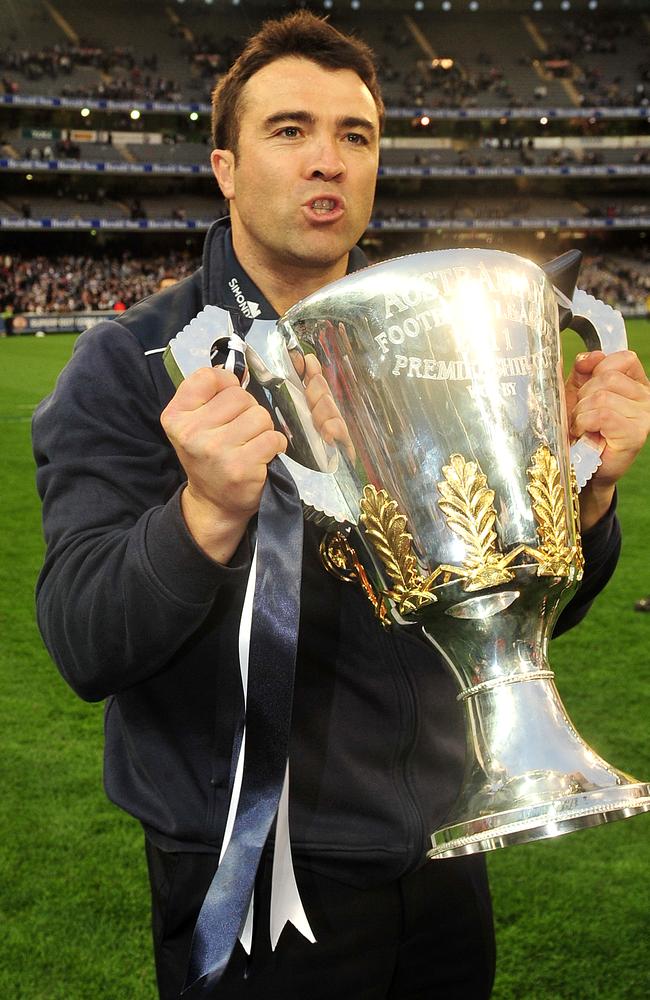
<point x="540" y="822"/>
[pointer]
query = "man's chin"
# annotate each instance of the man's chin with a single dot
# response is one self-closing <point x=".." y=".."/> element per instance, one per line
<point x="322" y="250"/>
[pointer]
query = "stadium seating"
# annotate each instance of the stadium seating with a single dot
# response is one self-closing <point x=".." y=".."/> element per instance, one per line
<point x="497" y="62"/>
<point x="491" y="161"/>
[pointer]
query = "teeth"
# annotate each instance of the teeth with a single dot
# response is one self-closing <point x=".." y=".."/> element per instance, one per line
<point x="323" y="205"/>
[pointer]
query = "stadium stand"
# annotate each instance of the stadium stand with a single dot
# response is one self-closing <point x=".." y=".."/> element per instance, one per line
<point x="502" y="151"/>
<point x="170" y="152"/>
<point x="607" y="58"/>
<point x="490" y="135"/>
<point x="425" y="59"/>
<point x="76" y="282"/>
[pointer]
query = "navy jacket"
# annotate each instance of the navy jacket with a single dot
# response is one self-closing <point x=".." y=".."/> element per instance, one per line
<point x="134" y="612"/>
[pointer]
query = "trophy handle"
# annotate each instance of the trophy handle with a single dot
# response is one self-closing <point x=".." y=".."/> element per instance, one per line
<point x="274" y="361"/>
<point x="602" y="328"/>
<point x="278" y="365"/>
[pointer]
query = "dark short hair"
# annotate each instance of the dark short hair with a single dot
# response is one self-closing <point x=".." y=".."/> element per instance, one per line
<point x="302" y="35"/>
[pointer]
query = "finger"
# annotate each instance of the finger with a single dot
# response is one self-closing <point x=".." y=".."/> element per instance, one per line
<point x="317" y="389"/>
<point x="246" y="426"/>
<point x="200" y="436"/>
<point x="616" y="383"/>
<point x="312" y="368"/>
<point x="263" y="448"/>
<point x="596" y="439"/>
<point x="335" y="430"/>
<point x="228" y="406"/>
<point x="324" y="409"/>
<point x="578" y="377"/>
<point x="626" y="362"/>
<point x="633" y="404"/>
<point x="298" y="361"/>
<point x="201" y="386"/>
<point x="581" y="372"/>
<point x="187" y="426"/>
<point x="620" y="429"/>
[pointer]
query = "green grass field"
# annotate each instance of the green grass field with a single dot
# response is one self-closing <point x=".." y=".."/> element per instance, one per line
<point x="573" y="914"/>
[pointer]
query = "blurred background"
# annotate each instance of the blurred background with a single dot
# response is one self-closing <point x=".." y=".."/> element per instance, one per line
<point x="521" y="126"/>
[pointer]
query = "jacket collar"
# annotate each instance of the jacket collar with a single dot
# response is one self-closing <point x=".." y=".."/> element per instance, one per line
<point x="226" y="283"/>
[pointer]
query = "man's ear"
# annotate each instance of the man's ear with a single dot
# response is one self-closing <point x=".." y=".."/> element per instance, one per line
<point x="223" y="168"/>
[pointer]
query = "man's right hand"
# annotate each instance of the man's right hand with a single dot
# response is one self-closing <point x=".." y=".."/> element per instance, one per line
<point x="224" y="440"/>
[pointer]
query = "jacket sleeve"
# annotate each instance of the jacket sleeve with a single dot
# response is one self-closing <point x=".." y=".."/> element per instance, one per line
<point x="601" y="547"/>
<point x="123" y="585"/>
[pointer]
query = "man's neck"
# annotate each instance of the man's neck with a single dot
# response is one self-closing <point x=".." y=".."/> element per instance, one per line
<point x="283" y="283"/>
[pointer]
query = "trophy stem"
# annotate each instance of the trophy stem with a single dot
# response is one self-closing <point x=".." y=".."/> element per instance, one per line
<point x="529" y="775"/>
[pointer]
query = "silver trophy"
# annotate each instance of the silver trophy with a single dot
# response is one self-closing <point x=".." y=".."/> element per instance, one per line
<point x="451" y="497"/>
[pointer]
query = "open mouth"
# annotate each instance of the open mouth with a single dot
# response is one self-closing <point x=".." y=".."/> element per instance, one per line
<point x="324" y="207"/>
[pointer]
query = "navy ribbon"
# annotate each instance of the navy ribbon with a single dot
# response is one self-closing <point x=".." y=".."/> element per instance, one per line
<point x="271" y="668"/>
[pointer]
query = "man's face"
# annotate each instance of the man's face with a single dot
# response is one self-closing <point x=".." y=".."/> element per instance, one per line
<point x="302" y="184"/>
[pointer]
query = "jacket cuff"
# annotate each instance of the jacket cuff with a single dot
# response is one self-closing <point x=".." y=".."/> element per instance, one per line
<point x="602" y="542"/>
<point x="180" y="565"/>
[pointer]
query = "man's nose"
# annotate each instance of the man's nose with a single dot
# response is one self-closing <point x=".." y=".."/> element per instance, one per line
<point x="326" y="162"/>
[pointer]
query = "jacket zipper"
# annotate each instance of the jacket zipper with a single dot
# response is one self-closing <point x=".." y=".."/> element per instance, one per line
<point x="411" y="719"/>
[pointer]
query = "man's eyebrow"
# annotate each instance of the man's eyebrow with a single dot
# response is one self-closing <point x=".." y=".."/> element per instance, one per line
<point x="350" y="121"/>
<point x="302" y="117"/>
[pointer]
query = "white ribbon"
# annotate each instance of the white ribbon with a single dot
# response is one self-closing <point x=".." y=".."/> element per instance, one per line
<point x="286" y="904"/>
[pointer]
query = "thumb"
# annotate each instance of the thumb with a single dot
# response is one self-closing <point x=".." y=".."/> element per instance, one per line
<point x="583" y="366"/>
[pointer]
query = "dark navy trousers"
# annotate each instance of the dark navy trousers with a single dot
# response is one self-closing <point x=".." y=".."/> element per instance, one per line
<point x="426" y="936"/>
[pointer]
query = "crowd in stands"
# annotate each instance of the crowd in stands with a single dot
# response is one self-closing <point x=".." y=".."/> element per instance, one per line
<point x="71" y="283"/>
<point x="136" y="87"/>
<point x="503" y="208"/>
<point x="515" y="152"/>
<point x="587" y="36"/>
<point x="597" y="90"/>
<point x="75" y="283"/>
<point x="438" y="83"/>
<point x="210" y="56"/>
<point x="124" y="77"/>
<point x="412" y="78"/>
<point x="59" y="61"/>
<point x="437" y="87"/>
<point x="63" y="149"/>
<point x="571" y="55"/>
<point x="620" y="280"/>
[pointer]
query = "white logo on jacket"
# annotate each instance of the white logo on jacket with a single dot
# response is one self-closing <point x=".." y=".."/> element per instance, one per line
<point x="248" y="308"/>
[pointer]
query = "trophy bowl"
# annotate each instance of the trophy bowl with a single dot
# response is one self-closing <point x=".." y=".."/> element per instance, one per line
<point x="452" y="499"/>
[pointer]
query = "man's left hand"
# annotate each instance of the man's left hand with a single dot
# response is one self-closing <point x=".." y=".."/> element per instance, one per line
<point x="608" y="398"/>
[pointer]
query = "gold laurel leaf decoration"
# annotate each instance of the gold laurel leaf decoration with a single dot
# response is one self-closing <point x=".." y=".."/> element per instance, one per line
<point x="468" y="504"/>
<point x="555" y="555"/>
<point x="386" y="528"/>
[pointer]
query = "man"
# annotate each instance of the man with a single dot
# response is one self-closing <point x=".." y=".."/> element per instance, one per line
<point x="149" y="545"/>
